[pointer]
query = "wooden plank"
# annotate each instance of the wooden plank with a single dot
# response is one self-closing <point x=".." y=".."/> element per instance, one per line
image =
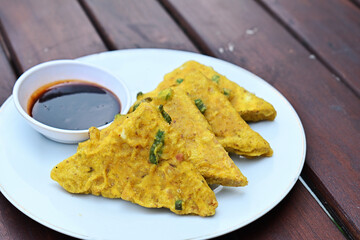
<point x="42" y="30"/>
<point x="241" y="32"/>
<point x="290" y="220"/>
<point x="329" y="28"/>
<point x="136" y="24"/>
<point x="7" y="76"/>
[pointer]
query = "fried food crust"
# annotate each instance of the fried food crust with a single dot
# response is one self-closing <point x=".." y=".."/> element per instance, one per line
<point x="115" y="164"/>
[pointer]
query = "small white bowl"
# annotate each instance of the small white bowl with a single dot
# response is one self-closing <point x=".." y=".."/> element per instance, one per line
<point x="56" y="70"/>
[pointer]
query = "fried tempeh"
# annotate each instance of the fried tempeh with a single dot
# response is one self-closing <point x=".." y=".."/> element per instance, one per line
<point x="117" y="164"/>
<point x="248" y="105"/>
<point x="234" y="134"/>
<point x="200" y="143"/>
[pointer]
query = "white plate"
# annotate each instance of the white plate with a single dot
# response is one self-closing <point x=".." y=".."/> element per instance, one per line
<point x="26" y="159"/>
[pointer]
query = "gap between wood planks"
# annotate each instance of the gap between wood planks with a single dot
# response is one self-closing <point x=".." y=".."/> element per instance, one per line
<point x="9" y="53"/>
<point x="322" y="206"/>
<point x="97" y="26"/>
<point x="356" y="3"/>
<point x="307" y="46"/>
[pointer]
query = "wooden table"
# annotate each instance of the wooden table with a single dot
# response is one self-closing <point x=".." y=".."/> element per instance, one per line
<point x="308" y="49"/>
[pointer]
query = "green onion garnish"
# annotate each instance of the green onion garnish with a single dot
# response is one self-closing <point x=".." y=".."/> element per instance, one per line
<point x="226" y="91"/>
<point x="179" y="80"/>
<point x="156" y="147"/>
<point x="178" y="204"/>
<point x="166" y="94"/>
<point x="165" y="115"/>
<point x="200" y="105"/>
<point x="216" y="78"/>
<point x="139" y="94"/>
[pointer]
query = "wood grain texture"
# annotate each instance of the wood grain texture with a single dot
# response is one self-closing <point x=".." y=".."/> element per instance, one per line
<point x="136" y="24"/>
<point x="42" y="30"/>
<point x="329" y="28"/>
<point x="291" y="219"/>
<point x="7" y="76"/>
<point x="243" y="33"/>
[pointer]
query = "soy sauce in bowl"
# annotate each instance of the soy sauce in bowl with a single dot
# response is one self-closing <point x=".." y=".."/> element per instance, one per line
<point x="73" y="105"/>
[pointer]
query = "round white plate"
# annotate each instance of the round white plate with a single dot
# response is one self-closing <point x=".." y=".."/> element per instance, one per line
<point x="26" y="159"/>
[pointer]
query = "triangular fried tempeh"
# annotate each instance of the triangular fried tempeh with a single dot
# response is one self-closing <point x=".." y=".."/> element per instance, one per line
<point x="200" y="143"/>
<point x="128" y="162"/>
<point x="173" y="185"/>
<point x="231" y="130"/>
<point x="248" y="105"/>
<point x="234" y="134"/>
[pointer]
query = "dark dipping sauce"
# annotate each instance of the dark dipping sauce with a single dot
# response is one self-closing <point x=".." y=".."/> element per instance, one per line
<point x="73" y="105"/>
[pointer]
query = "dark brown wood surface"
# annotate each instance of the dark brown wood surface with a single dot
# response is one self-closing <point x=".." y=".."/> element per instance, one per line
<point x="41" y="30"/>
<point x="331" y="29"/>
<point x="136" y="24"/>
<point x="7" y="76"/>
<point x="248" y="36"/>
<point x="242" y="32"/>
<point x="356" y="2"/>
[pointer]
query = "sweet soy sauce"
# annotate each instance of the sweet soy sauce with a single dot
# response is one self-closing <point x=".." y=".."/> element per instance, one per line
<point x="73" y="105"/>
